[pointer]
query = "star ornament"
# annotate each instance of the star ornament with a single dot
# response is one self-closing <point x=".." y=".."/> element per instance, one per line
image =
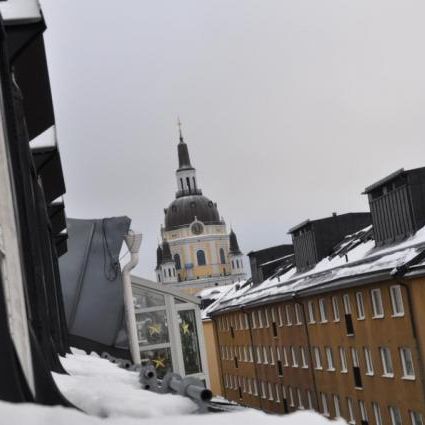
<point x="154" y="329"/>
<point x="159" y="362"/>
<point x="185" y="328"/>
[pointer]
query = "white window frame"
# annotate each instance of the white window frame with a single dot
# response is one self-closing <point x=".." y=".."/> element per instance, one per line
<point x="363" y="411"/>
<point x="285" y="357"/>
<point x="271" y="398"/>
<point x="360" y="306"/>
<point x="294" y="357"/>
<point x="347" y="303"/>
<point x="304" y="363"/>
<point x="317" y="359"/>
<point x="277" y="399"/>
<point x="377" y="413"/>
<point x="271" y="348"/>
<point x="322" y="310"/>
<point x="395" y="415"/>
<point x="352" y="419"/>
<point x="260" y="318"/>
<point x="310" y="400"/>
<point x="253" y="319"/>
<point x="300" y="399"/>
<point x="265" y="356"/>
<point x="387" y="362"/>
<point x="288" y="315"/>
<point x="416" y="418"/>
<point x="397" y="301"/>
<point x="310" y="309"/>
<point x="280" y="316"/>
<point x="377" y="304"/>
<point x="405" y="356"/>
<point x="335" y="309"/>
<point x="355" y="357"/>
<point x="330" y="359"/>
<point x="369" y="361"/>
<point x="337" y="406"/>
<point x="324" y="401"/>
<point x="266" y="315"/>
<point x="259" y="356"/>
<point x="291" y="397"/>
<point x="263" y="390"/>
<point x="343" y="359"/>
<point x="298" y="315"/>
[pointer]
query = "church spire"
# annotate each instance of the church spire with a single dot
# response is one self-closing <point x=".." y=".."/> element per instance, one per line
<point x="183" y="151"/>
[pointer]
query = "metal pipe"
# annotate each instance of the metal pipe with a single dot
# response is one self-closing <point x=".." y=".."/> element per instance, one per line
<point x="133" y="242"/>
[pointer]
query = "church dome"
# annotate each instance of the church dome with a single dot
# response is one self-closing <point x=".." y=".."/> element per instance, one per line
<point x="183" y="211"/>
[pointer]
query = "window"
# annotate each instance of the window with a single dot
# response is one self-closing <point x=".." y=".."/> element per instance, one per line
<point x="255" y="387"/>
<point x="351" y="420"/>
<point x="387" y="364"/>
<point x="285" y="357"/>
<point x="377" y="307"/>
<point x="310" y="308"/>
<point x="377" y="413"/>
<point x="270" y="392"/>
<point x="310" y="400"/>
<point x="335" y="309"/>
<point x="254" y="320"/>
<point x="355" y="357"/>
<point x="369" y="362"/>
<point x="259" y="355"/>
<point x="277" y="399"/>
<point x="288" y="315"/>
<point x="397" y="300"/>
<point x="291" y="397"/>
<point x="222" y="256"/>
<point x="363" y="411"/>
<point x="360" y="306"/>
<point x="201" y="258"/>
<point x="260" y="318"/>
<point x="279" y="313"/>
<point x="300" y="399"/>
<point x="265" y="361"/>
<point x="329" y="358"/>
<point x="271" y="355"/>
<point x="416" y="418"/>
<point x="266" y="315"/>
<point x="395" y="416"/>
<point x="322" y="310"/>
<point x="294" y="357"/>
<point x="317" y="358"/>
<point x="347" y="304"/>
<point x="325" y="409"/>
<point x="263" y="390"/>
<point x="177" y="261"/>
<point x="251" y="356"/>
<point x="343" y="358"/>
<point x="337" y="406"/>
<point x="407" y="363"/>
<point x="304" y="363"/>
<point x="298" y="315"/>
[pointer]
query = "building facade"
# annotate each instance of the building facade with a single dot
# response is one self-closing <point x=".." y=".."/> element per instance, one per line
<point x="197" y="250"/>
<point x="343" y="336"/>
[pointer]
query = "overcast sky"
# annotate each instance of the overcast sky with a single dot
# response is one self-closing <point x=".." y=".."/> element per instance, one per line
<point x="290" y="108"/>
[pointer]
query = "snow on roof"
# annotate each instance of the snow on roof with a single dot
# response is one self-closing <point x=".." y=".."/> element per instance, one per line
<point x="361" y="259"/>
<point x="113" y="396"/>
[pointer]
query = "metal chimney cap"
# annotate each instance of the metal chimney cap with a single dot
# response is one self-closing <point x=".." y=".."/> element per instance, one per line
<point x="133" y="241"/>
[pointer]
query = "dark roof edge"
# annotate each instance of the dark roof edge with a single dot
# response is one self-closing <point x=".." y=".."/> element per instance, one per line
<point x="383" y="180"/>
<point x="270" y="247"/>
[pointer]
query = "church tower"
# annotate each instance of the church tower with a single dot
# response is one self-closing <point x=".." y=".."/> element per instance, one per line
<point x="197" y="251"/>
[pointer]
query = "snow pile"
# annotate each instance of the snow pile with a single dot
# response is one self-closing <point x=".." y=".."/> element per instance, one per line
<point x="114" y="397"/>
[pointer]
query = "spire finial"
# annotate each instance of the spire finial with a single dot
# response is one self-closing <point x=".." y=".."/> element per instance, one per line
<point x="179" y="124"/>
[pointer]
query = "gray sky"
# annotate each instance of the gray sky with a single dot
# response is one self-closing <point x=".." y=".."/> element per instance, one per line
<point x="289" y="108"/>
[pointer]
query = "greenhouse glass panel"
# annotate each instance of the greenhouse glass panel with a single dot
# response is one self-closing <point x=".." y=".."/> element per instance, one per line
<point x="152" y="328"/>
<point x="160" y="359"/>
<point x="189" y="341"/>
<point x="148" y="299"/>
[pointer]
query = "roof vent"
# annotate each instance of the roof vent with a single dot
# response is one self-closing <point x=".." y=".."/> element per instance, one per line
<point x="397" y="205"/>
<point x="314" y="240"/>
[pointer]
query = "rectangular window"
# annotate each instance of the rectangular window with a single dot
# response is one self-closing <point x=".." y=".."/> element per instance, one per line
<point x="259" y="359"/>
<point x="325" y="409"/>
<point x="317" y="358"/>
<point x="355" y="357"/>
<point x="254" y="320"/>
<point x="294" y="357"/>
<point x="343" y="358"/>
<point x="260" y="318"/>
<point x="274" y="329"/>
<point x="254" y="381"/>
<point x="273" y="312"/>
<point x="285" y="357"/>
<point x="310" y="308"/>
<point x="263" y="390"/>
<point x="271" y="355"/>
<point x="322" y="310"/>
<point x="337" y="406"/>
<point x="310" y="400"/>
<point x="351" y="418"/>
<point x="396" y="300"/>
<point x="335" y="309"/>
<point x="298" y="315"/>
<point x="387" y="363"/>
<point x="377" y="306"/>
<point x="246" y="321"/>
<point x="377" y="413"/>
<point x="347" y="303"/>
<point x="369" y="362"/>
<point x="407" y="363"/>
<point x="360" y="306"/>
<point x="265" y="360"/>
<point x="363" y="411"/>
<point x="241" y="322"/>
<point x="270" y="392"/>
<point x="329" y="358"/>
<point x="300" y="399"/>
<point x="304" y="363"/>
<point x="279" y="313"/>
<point x="416" y="418"/>
<point x="279" y="368"/>
<point x="291" y="397"/>
<point x="288" y="315"/>
<point x="395" y="416"/>
<point x="251" y="355"/>
<point x="277" y="399"/>
<point x="266" y="314"/>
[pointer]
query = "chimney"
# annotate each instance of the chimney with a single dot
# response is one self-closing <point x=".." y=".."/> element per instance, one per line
<point x="397" y="205"/>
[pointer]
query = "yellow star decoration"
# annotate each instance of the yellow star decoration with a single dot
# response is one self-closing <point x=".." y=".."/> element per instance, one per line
<point x="154" y="329"/>
<point x="159" y="362"/>
<point x="185" y="327"/>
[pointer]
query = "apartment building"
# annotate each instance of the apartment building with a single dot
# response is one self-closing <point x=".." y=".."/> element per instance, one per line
<point x="341" y="330"/>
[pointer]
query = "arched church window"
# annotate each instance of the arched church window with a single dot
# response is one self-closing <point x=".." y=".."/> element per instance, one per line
<point x="237" y="264"/>
<point x="177" y="261"/>
<point x="201" y="258"/>
<point x="222" y="256"/>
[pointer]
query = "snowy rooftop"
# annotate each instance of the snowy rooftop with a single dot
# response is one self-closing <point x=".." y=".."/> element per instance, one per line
<point x="112" y="396"/>
<point x="355" y="257"/>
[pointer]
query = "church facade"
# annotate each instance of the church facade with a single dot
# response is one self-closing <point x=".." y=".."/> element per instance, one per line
<point x="197" y="251"/>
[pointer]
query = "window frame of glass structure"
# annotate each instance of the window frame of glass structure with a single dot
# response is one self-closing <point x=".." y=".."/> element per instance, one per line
<point x="176" y="307"/>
